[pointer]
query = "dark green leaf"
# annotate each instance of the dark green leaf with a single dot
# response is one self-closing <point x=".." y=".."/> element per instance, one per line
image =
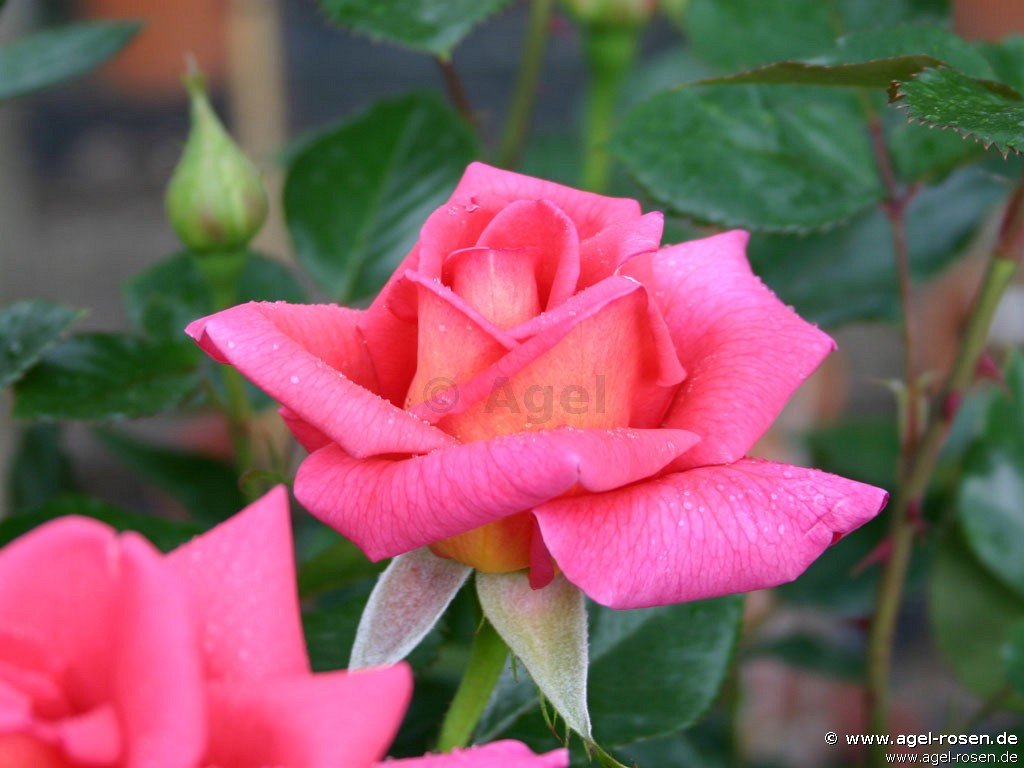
<point x="657" y="670"/>
<point x="336" y="566"/>
<point x="55" y="55"/>
<point x="706" y="746"/>
<point x="929" y="42"/>
<point x="27" y="329"/>
<point x="815" y="654"/>
<point x="330" y="628"/>
<point x="1013" y="655"/>
<point x="972" y="615"/>
<point x="434" y="26"/>
<point x="761" y="157"/>
<point x="988" y="112"/>
<point x="165" y="298"/>
<point x="847" y="274"/>
<point x="356" y="197"/>
<point x="164" y="534"/>
<point x="206" y="487"/>
<point x="1007" y="60"/>
<point x="878" y="73"/>
<point x="39" y="469"/>
<point x="733" y="34"/>
<point x="861" y="449"/>
<point x="107" y="376"/>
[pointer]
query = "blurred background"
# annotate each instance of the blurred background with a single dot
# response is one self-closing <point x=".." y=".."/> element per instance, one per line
<point x="83" y="170"/>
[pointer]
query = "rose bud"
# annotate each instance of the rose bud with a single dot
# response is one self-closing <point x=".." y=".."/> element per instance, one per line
<point x="216" y="200"/>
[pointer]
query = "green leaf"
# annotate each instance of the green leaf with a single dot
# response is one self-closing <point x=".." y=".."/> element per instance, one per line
<point x="55" y="55"/>
<point x="206" y="487"/>
<point x="983" y="110"/>
<point x="733" y="34"/>
<point x="760" y="157"/>
<point x="815" y="654"/>
<point x="107" y="376"/>
<point x="27" y="329"/>
<point x="862" y="449"/>
<point x="972" y="615"/>
<point x="929" y="42"/>
<point x="878" y="73"/>
<point x="40" y="470"/>
<point x="164" y="534"/>
<point x="163" y="299"/>
<point x="657" y="670"/>
<point x="1006" y="59"/>
<point x="434" y="26"/>
<point x="1013" y="655"/>
<point x="356" y="197"/>
<point x="847" y="274"/>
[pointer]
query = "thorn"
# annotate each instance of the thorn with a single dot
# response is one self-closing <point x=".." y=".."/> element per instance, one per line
<point x="878" y="555"/>
<point x="951" y="405"/>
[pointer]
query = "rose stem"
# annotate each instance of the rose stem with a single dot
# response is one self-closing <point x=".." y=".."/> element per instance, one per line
<point x="525" y="93"/>
<point x="609" y="50"/>
<point x="486" y="662"/>
<point x="921" y="465"/>
<point x="456" y="90"/>
<point x="221" y="272"/>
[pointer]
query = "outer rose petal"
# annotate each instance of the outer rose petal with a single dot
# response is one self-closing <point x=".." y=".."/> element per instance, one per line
<point x="319" y="721"/>
<point x="616" y="244"/>
<point x="500" y="754"/>
<point x="242" y="579"/>
<point x="703" y="532"/>
<point x="58" y="589"/>
<point x="388" y="507"/>
<point x="744" y="351"/>
<point x="493" y="188"/>
<point x="158" y="673"/>
<point x="287" y="350"/>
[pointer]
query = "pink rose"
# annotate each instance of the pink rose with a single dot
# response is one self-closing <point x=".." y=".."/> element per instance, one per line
<point x="539" y="386"/>
<point x="112" y="654"/>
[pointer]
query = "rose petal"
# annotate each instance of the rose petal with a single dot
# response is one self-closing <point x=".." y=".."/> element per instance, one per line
<point x="617" y="244"/>
<point x="388" y="507"/>
<point x="157" y="679"/>
<point x="280" y="348"/>
<point x="598" y="360"/>
<point x="320" y="721"/>
<point x="540" y="225"/>
<point x="491" y="187"/>
<point x="500" y="754"/>
<point x="242" y="579"/>
<point x="703" y="532"/>
<point x="744" y="351"/>
<point x="500" y="284"/>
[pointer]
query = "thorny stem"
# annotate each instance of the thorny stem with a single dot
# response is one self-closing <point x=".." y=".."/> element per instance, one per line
<point x="456" y="90"/>
<point x="1002" y="266"/>
<point x="525" y="94"/>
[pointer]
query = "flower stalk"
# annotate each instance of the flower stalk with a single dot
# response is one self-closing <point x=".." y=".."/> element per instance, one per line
<point x="486" y="662"/>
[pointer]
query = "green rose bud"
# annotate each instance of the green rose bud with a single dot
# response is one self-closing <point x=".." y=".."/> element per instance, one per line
<point x="612" y="12"/>
<point x="216" y="200"/>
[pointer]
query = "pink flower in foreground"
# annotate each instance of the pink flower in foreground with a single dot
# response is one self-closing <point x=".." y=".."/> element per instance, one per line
<point x="540" y="386"/>
<point x="112" y="654"/>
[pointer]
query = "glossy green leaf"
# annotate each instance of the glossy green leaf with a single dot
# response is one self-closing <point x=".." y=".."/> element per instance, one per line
<point x="877" y="73"/>
<point x="164" y="534"/>
<point x="760" y="157"/>
<point x="734" y="34"/>
<point x="27" y="330"/>
<point x="55" y="55"/>
<point x="982" y="110"/>
<point x="107" y="376"/>
<point x="166" y="297"/>
<point x="657" y="670"/>
<point x="848" y="273"/>
<point x="356" y="197"/>
<point x="206" y="487"/>
<point x="1006" y="59"/>
<point x="434" y="26"/>
<point x="40" y="469"/>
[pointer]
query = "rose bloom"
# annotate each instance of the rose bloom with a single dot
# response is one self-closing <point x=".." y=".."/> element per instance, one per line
<point x="539" y="386"/>
<point x="112" y="654"/>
